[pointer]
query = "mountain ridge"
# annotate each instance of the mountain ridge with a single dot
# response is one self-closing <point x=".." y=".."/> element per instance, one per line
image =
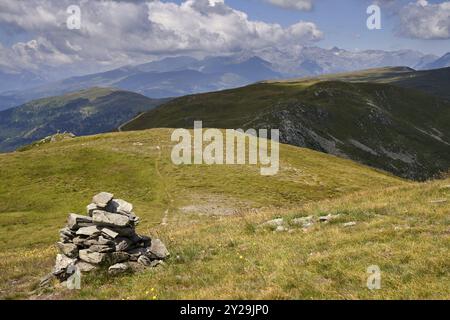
<point x="378" y="124"/>
<point x="84" y="112"/>
<point x="163" y="78"/>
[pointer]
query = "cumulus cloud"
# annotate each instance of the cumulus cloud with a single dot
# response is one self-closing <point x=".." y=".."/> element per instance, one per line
<point x="424" y="20"/>
<point x="293" y="4"/>
<point x="118" y="32"/>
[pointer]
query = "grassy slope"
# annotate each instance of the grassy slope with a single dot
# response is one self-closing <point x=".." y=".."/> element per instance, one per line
<point x="399" y="229"/>
<point x="391" y="121"/>
<point x="85" y="112"/>
<point x="42" y="185"/>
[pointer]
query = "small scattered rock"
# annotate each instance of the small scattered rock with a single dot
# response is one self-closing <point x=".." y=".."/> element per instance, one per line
<point x="439" y="201"/>
<point x="280" y="229"/>
<point x="307" y="225"/>
<point x="304" y="222"/>
<point x="273" y="223"/>
<point x="349" y="224"/>
<point x="328" y="218"/>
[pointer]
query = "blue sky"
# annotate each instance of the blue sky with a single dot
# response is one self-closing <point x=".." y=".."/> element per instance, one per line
<point x="344" y="24"/>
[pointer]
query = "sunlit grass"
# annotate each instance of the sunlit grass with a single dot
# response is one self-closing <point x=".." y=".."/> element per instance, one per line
<point x="223" y="257"/>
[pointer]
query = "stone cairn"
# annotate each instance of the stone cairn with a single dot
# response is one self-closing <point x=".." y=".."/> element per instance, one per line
<point x="106" y="237"/>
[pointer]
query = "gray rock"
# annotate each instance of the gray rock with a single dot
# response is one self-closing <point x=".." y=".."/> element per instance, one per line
<point x="101" y="248"/>
<point x="65" y="239"/>
<point x="85" y="267"/>
<point x="118" y="268"/>
<point x="92" y="231"/>
<point x="93" y="257"/>
<point x="136" y="266"/>
<point x="67" y="232"/>
<point x="438" y="201"/>
<point x="102" y="199"/>
<point x="77" y="221"/>
<point x="328" y="218"/>
<point x="110" y="233"/>
<point x="349" y="224"/>
<point x="304" y="222"/>
<point x="123" y="244"/>
<point x="145" y="261"/>
<point x="120" y="206"/>
<point x="136" y="253"/>
<point x="158" y="250"/>
<point x="280" y="229"/>
<point x="308" y="225"/>
<point x="99" y="241"/>
<point x="157" y="263"/>
<point x="68" y="249"/>
<point x="91" y="208"/>
<point x="117" y="257"/>
<point x="128" y="232"/>
<point x="273" y="223"/>
<point x="62" y="263"/>
<point x="79" y="241"/>
<point x="103" y="218"/>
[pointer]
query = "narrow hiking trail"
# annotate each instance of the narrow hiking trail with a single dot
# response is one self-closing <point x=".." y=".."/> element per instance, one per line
<point x="168" y="196"/>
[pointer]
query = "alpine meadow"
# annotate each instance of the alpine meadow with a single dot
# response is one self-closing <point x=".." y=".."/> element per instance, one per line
<point x="222" y="154"/>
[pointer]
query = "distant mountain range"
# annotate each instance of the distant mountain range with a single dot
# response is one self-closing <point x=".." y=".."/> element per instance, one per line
<point x="160" y="79"/>
<point x="395" y="119"/>
<point x="178" y="76"/>
<point x="442" y="62"/>
<point x="86" y="112"/>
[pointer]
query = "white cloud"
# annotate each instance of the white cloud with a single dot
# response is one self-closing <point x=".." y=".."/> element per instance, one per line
<point x="117" y="32"/>
<point x="293" y="4"/>
<point x="423" y="20"/>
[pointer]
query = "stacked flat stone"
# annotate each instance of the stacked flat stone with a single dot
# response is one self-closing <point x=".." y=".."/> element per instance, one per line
<point x="105" y="237"/>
